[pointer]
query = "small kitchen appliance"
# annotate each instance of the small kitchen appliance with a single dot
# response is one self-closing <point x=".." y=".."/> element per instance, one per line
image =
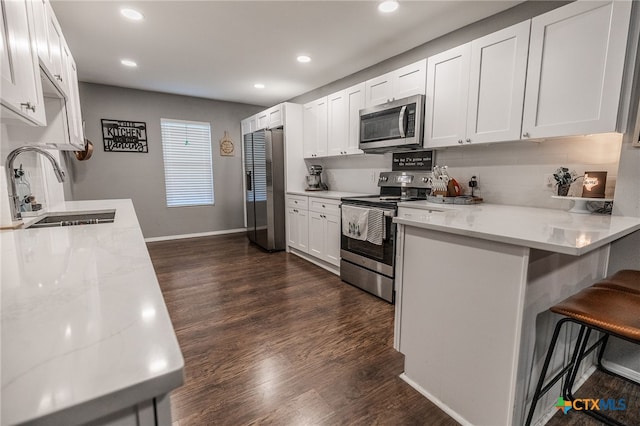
<point x="398" y="124"/>
<point x="314" y="179"/>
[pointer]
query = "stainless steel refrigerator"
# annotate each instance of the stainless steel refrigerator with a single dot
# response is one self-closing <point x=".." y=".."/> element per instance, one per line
<point x="264" y="191"/>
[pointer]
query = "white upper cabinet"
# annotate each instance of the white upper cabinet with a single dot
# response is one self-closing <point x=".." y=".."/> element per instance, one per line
<point x="576" y="63"/>
<point x="58" y="52"/>
<point x="475" y="91"/>
<point x="269" y="118"/>
<point x="21" y="95"/>
<point x="355" y="102"/>
<point x="76" y="125"/>
<point x="406" y="81"/>
<point x="315" y="128"/>
<point x="447" y="97"/>
<point x="496" y="85"/>
<point x="337" y="123"/>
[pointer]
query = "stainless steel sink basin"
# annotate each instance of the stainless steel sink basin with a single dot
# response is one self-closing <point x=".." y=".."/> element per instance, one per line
<point x="75" y="218"/>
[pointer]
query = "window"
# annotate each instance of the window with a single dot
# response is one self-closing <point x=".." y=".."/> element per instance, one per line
<point x="188" y="171"/>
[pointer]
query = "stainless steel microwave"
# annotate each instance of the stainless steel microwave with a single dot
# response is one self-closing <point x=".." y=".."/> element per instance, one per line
<point x="394" y="125"/>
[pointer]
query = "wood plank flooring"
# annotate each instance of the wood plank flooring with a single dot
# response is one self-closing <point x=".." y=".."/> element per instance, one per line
<point x="273" y="339"/>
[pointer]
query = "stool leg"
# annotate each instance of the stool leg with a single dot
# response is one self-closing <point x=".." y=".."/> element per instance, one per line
<point x="539" y="387"/>
<point x="576" y="360"/>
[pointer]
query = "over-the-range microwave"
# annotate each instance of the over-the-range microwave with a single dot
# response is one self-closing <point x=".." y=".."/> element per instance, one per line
<point x="394" y="125"/>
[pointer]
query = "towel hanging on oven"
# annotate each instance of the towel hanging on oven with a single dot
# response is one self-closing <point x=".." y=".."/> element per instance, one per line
<point x="355" y="221"/>
<point x="363" y="224"/>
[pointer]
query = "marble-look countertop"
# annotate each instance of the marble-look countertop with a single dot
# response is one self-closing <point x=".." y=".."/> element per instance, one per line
<point x="334" y="195"/>
<point x="545" y="229"/>
<point x="85" y="330"/>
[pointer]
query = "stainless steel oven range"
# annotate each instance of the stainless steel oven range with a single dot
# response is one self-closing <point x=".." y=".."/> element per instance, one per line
<point x="369" y="263"/>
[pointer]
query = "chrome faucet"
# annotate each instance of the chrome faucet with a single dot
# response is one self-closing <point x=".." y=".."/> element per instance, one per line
<point x="11" y="177"/>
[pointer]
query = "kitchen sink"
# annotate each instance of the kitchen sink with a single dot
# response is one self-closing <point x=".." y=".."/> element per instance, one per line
<point x="75" y="218"/>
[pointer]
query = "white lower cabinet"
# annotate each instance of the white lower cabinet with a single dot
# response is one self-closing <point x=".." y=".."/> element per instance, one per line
<point x="298" y="223"/>
<point x="313" y="227"/>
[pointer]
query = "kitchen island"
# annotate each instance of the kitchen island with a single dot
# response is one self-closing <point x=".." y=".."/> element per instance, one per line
<point x="85" y="331"/>
<point x="474" y="285"/>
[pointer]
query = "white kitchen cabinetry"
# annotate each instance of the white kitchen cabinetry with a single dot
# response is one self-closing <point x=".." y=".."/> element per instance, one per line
<point x="576" y="63"/>
<point x="337" y="123"/>
<point x="406" y="81"/>
<point x="475" y="91"/>
<point x="298" y="223"/>
<point x="248" y="125"/>
<point x="21" y="95"/>
<point x="270" y="118"/>
<point x="324" y="229"/>
<point x="447" y="97"/>
<point x="315" y="135"/>
<point x="57" y="50"/>
<point x="76" y="127"/>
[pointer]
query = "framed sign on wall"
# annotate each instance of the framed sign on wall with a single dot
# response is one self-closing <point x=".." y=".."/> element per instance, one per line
<point x="124" y="136"/>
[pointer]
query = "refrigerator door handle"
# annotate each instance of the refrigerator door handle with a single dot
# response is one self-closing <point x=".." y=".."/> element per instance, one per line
<point x="249" y="181"/>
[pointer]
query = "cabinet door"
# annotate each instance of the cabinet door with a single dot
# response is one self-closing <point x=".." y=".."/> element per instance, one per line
<point x="447" y="95"/>
<point x="355" y="102"/>
<point x="337" y="125"/>
<point x="303" y="230"/>
<point x="275" y="116"/>
<point x="262" y="120"/>
<point x="19" y="72"/>
<point x="246" y="126"/>
<point x="496" y="85"/>
<point x="76" y="128"/>
<point x="316" y="235"/>
<point x="310" y="134"/>
<point x="293" y="229"/>
<point x="379" y="90"/>
<point x="332" y="239"/>
<point x="322" y="112"/>
<point x="574" y="76"/>
<point x="57" y="51"/>
<point x="410" y="80"/>
<point x="39" y="12"/>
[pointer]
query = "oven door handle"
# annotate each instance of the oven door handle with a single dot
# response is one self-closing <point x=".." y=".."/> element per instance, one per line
<point x="403" y="110"/>
<point x="386" y="212"/>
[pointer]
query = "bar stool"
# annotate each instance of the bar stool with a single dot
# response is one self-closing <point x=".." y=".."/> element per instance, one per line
<point x="611" y="311"/>
<point x="624" y="280"/>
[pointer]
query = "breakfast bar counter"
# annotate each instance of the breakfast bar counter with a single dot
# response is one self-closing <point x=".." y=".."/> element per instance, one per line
<point x="473" y="289"/>
<point x="85" y="331"/>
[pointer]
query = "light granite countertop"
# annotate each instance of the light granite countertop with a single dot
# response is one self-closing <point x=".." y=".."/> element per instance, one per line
<point x="544" y="229"/>
<point x="85" y="330"/>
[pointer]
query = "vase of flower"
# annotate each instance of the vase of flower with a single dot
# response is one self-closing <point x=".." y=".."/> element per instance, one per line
<point x="563" y="189"/>
<point x="564" y="178"/>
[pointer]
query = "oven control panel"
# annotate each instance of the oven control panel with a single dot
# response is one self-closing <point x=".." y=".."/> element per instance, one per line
<point x="405" y="179"/>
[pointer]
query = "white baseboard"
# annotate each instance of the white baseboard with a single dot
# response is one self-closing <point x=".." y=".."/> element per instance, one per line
<point x="441" y="405"/>
<point x="200" y="234"/>
<point x="621" y="370"/>
<point x="321" y="263"/>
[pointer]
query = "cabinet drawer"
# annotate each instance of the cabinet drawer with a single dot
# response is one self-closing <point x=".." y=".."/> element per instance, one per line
<point x="323" y="205"/>
<point x="298" y="202"/>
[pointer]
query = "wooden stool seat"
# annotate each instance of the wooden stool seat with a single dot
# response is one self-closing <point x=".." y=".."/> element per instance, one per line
<point x="625" y="280"/>
<point x="610" y="307"/>
<point x="611" y="310"/>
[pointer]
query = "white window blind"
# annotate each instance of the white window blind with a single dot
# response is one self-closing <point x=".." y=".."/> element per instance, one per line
<point x="188" y="171"/>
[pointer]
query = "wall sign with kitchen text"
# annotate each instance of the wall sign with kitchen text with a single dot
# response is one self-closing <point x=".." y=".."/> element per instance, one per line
<point x="124" y="136"/>
<point x="412" y="160"/>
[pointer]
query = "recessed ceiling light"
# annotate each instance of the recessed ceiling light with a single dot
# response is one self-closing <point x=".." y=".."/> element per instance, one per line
<point x="259" y="86"/>
<point x="132" y="14"/>
<point x="388" y="6"/>
<point x="304" y="59"/>
<point x="128" y="63"/>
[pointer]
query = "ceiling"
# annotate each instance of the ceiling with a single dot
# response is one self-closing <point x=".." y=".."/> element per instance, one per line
<point x="220" y="49"/>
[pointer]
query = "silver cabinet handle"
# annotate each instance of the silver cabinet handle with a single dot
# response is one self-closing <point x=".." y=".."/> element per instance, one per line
<point x="460" y="141"/>
<point x="29" y="106"/>
<point x="468" y="140"/>
<point x="58" y="77"/>
<point x="525" y="135"/>
<point x="324" y="207"/>
<point x="401" y="121"/>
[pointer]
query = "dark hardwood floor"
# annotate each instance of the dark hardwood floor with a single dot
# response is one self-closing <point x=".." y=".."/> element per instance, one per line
<point x="273" y="339"/>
